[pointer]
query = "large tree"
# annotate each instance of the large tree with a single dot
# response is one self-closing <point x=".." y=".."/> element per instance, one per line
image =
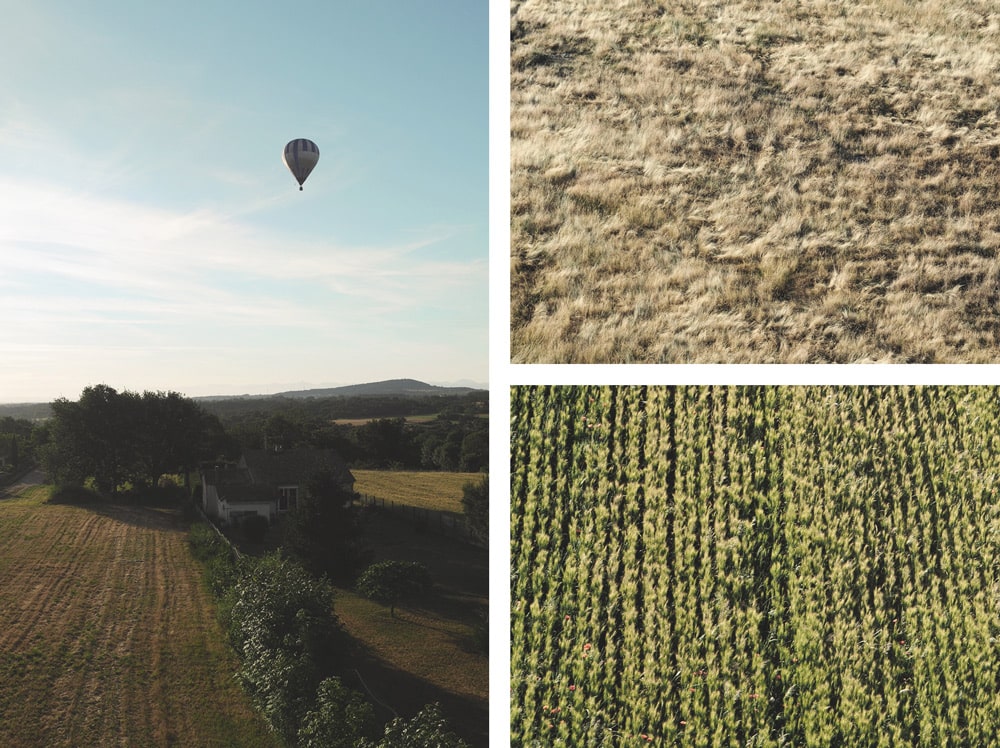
<point x="323" y="532"/>
<point x="117" y="437"/>
<point x="175" y="434"/>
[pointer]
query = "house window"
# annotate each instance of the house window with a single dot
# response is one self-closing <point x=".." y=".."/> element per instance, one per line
<point x="288" y="498"/>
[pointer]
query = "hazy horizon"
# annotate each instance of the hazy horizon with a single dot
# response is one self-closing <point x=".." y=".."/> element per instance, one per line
<point x="250" y="390"/>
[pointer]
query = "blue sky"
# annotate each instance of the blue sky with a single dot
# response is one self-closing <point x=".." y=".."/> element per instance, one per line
<point x="151" y="238"/>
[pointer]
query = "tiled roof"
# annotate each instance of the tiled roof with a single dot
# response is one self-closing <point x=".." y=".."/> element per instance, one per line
<point x="293" y="466"/>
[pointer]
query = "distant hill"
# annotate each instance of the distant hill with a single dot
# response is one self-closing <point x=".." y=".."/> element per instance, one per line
<point x="27" y="411"/>
<point x="389" y="387"/>
<point x="404" y="387"/>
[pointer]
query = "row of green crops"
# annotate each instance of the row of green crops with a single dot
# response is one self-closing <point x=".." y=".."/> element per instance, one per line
<point x="715" y="566"/>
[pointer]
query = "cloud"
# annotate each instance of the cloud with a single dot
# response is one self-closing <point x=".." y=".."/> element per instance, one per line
<point x="166" y="261"/>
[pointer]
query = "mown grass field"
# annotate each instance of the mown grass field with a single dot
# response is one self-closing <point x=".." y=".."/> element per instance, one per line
<point x="718" y="566"/>
<point x="750" y="181"/>
<point x="436" y="490"/>
<point x="420" y="418"/>
<point x="428" y="652"/>
<point x="107" y="636"/>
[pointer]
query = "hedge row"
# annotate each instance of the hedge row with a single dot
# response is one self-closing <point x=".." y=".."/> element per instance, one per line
<point x="280" y="622"/>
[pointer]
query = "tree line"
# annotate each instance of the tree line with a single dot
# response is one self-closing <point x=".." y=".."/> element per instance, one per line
<point x="122" y="439"/>
<point x="456" y="439"/>
<point x="132" y="439"/>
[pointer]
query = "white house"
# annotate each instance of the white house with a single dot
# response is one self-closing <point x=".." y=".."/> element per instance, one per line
<point x="267" y="482"/>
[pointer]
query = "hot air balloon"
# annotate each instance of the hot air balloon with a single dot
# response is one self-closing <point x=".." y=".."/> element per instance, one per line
<point x="300" y="157"/>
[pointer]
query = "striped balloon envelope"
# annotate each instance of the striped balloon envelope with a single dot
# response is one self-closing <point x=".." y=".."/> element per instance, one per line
<point x="300" y="157"/>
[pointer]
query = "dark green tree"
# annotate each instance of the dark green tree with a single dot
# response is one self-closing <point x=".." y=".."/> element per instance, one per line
<point x="324" y="531"/>
<point x="174" y="433"/>
<point x="392" y="582"/>
<point x="116" y="438"/>
<point x="387" y="442"/>
<point x="283" y="432"/>
<point x="476" y="503"/>
<point x="449" y="453"/>
<point x="88" y="438"/>
<point x="475" y="451"/>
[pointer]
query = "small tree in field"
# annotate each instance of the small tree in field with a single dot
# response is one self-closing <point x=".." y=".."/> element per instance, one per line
<point x="391" y="582"/>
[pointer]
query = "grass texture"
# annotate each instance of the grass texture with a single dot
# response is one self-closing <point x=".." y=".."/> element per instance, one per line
<point x="748" y="182"/>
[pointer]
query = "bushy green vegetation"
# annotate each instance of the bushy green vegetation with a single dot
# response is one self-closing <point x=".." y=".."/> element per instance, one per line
<point x="339" y="716"/>
<point x="281" y="623"/>
<point x="217" y="556"/>
<point x="708" y="566"/>
<point x="428" y="729"/>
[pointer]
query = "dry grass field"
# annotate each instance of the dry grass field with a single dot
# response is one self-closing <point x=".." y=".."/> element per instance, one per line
<point x="426" y="489"/>
<point x="107" y="636"/>
<point x="792" y="182"/>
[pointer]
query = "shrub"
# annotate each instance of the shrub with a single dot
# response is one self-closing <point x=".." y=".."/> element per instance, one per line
<point x="70" y="494"/>
<point x="340" y="718"/>
<point x="428" y="729"/>
<point x="282" y="625"/>
<point x="221" y="568"/>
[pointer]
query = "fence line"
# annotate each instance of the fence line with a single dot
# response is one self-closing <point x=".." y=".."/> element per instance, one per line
<point x="433" y="520"/>
<point x="205" y="518"/>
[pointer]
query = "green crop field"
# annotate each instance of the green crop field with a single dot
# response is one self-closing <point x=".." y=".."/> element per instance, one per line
<point x="714" y="566"/>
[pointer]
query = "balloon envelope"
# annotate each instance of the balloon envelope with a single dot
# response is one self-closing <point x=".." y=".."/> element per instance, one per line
<point x="300" y="157"/>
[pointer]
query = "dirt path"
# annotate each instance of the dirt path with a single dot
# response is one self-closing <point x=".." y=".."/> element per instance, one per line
<point x="34" y="478"/>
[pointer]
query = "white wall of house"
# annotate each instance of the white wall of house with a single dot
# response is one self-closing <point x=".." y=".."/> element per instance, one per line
<point x="210" y="499"/>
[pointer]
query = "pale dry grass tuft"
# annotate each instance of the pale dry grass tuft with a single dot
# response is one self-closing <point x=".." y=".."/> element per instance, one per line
<point x="755" y="181"/>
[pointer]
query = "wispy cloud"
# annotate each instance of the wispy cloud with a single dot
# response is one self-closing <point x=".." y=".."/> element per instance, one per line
<point x="145" y="254"/>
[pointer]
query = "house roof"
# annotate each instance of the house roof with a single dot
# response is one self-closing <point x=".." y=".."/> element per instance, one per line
<point x="293" y="466"/>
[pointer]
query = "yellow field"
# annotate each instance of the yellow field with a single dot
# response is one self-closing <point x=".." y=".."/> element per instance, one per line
<point x="424" y="489"/>
<point x="422" y="418"/>
<point x="107" y="636"/>
<point x="786" y="182"/>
